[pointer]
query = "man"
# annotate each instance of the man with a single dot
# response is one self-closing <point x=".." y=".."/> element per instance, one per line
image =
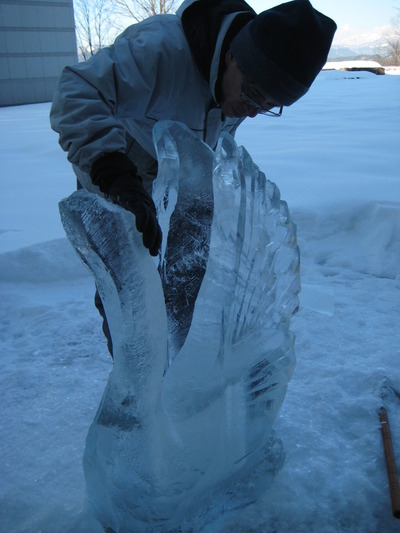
<point x="209" y="66"/>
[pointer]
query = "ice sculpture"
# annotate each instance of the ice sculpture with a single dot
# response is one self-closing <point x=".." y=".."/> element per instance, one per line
<point x="183" y="433"/>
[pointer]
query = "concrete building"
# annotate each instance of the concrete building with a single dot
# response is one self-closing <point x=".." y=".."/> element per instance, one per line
<point x="37" y="39"/>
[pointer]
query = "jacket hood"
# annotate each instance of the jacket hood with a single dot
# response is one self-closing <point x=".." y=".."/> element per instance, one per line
<point x="210" y="26"/>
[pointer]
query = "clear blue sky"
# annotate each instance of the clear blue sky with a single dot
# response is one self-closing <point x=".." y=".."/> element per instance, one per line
<point x="359" y="14"/>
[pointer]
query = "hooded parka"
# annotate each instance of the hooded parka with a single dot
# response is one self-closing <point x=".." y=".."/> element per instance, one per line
<point x="166" y="67"/>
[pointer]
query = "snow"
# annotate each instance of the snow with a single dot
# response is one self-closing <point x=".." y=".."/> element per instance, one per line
<point x="335" y="157"/>
<point x="351" y="64"/>
<point x="358" y="64"/>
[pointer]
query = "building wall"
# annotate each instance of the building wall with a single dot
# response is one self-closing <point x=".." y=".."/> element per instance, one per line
<point x="37" y="40"/>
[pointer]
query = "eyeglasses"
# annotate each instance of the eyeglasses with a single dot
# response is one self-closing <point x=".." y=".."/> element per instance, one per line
<point x="261" y="109"/>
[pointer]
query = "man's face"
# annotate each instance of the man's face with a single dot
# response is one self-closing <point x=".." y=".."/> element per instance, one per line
<point x="241" y="98"/>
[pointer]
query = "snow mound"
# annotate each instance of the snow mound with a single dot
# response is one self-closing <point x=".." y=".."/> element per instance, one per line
<point x="48" y="261"/>
<point x="370" y="66"/>
<point x="378" y="251"/>
<point x="364" y="240"/>
<point x="351" y="64"/>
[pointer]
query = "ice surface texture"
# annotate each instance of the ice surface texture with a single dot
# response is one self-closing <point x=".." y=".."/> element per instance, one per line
<point x="183" y="433"/>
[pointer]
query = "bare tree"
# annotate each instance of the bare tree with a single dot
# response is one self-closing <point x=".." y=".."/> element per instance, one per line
<point x="393" y="42"/>
<point x="94" y="25"/>
<point x="141" y="9"/>
<point x="97" y="22"/>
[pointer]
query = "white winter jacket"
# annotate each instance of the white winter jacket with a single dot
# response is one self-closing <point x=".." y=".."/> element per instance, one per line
<point x="112" y="101"/>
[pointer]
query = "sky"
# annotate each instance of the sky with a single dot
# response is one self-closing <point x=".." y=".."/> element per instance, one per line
<point x="354" y="17"/>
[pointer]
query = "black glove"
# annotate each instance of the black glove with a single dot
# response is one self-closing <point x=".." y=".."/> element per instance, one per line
<point x="117" y="178"/>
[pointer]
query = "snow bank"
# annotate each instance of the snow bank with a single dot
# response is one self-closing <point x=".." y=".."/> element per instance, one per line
<point x="337" y="65"/>
<point x="394" y="71"/>
<point x="49" y="261"/>
<point x="364" y="240"/>
<point x="361" y="65"/>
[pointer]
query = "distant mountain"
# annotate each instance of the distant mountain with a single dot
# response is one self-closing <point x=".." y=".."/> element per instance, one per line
<point x="351" y="44"/>
<point x="377" y="48"/>
<point x="341" y="51"/>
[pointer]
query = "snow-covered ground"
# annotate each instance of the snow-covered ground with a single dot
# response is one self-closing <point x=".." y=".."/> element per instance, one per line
<point x="335" y="156"/>
<point x="372" y="66"/>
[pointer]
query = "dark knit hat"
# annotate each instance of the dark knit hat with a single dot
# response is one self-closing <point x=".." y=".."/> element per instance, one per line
<point x="283" y="49"/>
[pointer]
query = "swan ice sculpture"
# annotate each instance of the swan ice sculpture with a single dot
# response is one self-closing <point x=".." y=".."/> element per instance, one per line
<point x="183" y="432"/>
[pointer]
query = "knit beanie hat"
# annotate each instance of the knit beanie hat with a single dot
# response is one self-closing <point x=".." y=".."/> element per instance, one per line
<point x="283" y="49"/>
